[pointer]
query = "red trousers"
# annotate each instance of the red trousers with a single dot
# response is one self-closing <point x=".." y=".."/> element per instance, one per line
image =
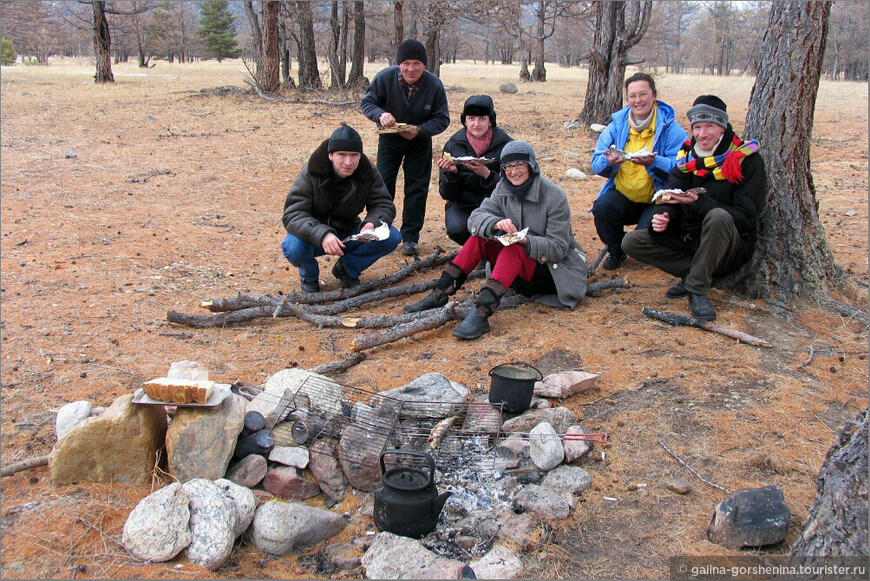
<point x="508" y="262"/>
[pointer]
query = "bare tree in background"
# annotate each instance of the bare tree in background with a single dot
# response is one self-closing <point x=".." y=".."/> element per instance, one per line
<point x="269" y="75"/>
<point x="546" y="15"/>
<point x="102" y="44"/>
<point x="359" y="44"/>
<point x="618" y="27"/>
<point x="400" y="25"/>
<point x="309" y="75"/>
<point x="435" y="15"/>
<point x="792" y="257"/>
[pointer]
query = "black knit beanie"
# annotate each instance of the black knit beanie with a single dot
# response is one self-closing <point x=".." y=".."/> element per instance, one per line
<point x="708" y="109"/>
<point x="345" y="138"/>
<point x="411" y="49"/>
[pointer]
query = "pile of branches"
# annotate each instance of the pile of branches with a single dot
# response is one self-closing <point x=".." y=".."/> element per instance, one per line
<point x="325" y="309"/>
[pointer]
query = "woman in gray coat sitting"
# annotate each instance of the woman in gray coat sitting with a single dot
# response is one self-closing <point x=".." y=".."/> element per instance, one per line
<point x="547" y="263"/>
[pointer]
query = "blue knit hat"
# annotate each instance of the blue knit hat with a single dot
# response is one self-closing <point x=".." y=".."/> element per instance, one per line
<point x="519" y="151"/>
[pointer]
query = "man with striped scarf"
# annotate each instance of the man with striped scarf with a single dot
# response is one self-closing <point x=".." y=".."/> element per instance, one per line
<point x="709" y="229"/>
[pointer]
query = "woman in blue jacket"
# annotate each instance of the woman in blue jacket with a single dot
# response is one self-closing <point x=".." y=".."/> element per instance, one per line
<point x="645" y="125"/>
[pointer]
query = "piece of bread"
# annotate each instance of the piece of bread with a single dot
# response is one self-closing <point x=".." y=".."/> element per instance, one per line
<point x="173" y="390"/>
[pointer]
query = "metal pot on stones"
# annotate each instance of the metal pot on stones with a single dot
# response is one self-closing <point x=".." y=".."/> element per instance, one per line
<point x="512" y="385"/>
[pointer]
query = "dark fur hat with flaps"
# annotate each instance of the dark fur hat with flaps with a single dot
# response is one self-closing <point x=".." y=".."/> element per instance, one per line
<point x="479" y="105"/>
<point x="345" y="138"/>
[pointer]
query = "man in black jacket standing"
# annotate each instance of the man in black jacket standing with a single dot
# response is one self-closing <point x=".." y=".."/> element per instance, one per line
<point x="465" y="185"/>
<point x="322" y="210"/>
<point x="709" y="226"/>
<point x="407" y="93"/>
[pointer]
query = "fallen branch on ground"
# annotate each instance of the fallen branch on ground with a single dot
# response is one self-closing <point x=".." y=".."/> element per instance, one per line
<point x="847" y="311"/>
<point x="263" y="95"/>
<point x="16" y="467"/>
<point x="596" y="262"/>
<point x="678" y="320"/>
<point x="810" y="358"/>
<point x="339" y="366"/>
<point x="690" y="469"/>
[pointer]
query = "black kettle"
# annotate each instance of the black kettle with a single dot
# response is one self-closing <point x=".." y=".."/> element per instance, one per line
<point x="406" y="501"/>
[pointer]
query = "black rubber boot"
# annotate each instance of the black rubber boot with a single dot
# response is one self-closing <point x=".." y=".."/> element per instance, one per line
<point x="476" y="322"/>
<point x="452" y="279"/>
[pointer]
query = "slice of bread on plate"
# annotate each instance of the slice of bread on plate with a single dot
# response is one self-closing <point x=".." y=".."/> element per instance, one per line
<point x="173" y="390"/>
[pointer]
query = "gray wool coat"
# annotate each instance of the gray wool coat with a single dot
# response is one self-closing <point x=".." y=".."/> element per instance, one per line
<point x="546" y="213"/>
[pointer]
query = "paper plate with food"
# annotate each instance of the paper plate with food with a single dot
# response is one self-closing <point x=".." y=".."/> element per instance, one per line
<point x="381" y="232"/>
<point x="626" y="156"/>
<point x="665" y="195"/>
<point x="512" y="237"/>
<point x="462" y="159"/>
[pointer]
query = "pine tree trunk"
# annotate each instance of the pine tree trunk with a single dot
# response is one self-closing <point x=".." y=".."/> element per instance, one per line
<point x="837" y="523"/>
<point x="270" y="77"/>
<point x="400" y="26"/>
<point x="309" y="75"/>
<point x="539" y="73"/>
<point x="102" y="45"/>
<point x="433" y="52"/>
<point x="618" y="27"/>
<point x="359" y="43"/>
<point x="792" y="257"/>
<point x="336" y="81"/>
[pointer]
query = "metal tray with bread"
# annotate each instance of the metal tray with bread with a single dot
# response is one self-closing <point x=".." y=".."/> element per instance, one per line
<point x="219" y="392"/>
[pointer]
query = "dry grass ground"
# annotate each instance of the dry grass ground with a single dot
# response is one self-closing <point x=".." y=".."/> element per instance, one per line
<point x="175" y="197"/>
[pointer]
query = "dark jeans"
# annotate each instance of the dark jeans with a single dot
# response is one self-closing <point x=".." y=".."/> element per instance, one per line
<point x="715" y="254"/>
<point x="612" y="210"/>
<point x="456" y="220"/>
<point x="358" y="256"/>
<point x="415" y="157"/>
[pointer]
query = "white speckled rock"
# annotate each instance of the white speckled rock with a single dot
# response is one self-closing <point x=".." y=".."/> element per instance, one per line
<point x="212" y="524"/>
<point x="244" y="501"/>
<point x="158" y="527"/>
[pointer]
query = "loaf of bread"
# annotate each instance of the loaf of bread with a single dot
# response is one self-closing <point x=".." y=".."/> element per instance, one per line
<point x="173" y="390"/>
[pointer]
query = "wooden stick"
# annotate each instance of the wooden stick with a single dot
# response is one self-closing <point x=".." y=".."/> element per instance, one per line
<point x="339" y="366"/>
<point x="810" y="358"/>
<point x="689" y="468"/>
<point x="437" y="319"/>
<point x="24" y="465"/>
<point x="678" y="320"/>
<point x="596" y="262"/>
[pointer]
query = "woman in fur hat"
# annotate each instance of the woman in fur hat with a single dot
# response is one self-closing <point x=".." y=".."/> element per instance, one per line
<point x="465" y="185"/>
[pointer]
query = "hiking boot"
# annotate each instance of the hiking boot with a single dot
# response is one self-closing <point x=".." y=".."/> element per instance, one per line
<point x="476" y="322"/>
<point x="678" y="290"/>
<point x="701" y="307"/>
<point x="613" y="262"/>
<point x="310" y="286"/>
<point x="410" y="248"/>
<point x="346" y="280"/>
<point x="452" y="279"/>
